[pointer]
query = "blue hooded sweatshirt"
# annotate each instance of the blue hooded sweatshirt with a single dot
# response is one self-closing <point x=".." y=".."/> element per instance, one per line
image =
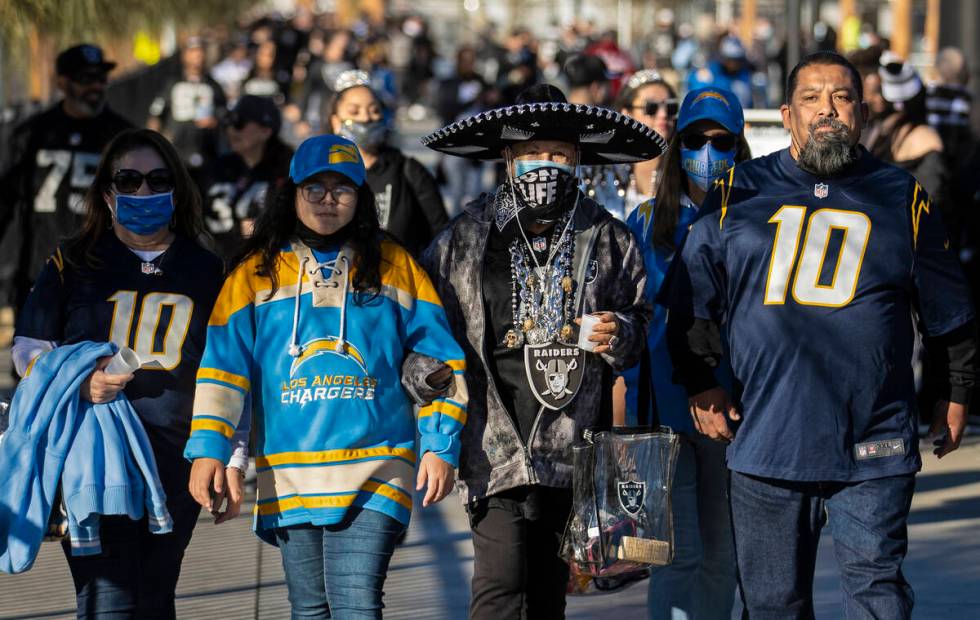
<point x="99" y="453"/>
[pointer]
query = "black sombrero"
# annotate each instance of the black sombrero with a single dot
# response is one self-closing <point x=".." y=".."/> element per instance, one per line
<point x="602" y="136"/>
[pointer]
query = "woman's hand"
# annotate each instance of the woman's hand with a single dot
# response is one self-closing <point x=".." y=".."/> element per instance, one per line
<point x="235" y="482"/>
<point x="208" y="475"/>
<point x="100" y="387"/>
<point x="604" y="332"/>
<point x="438" y="474"/>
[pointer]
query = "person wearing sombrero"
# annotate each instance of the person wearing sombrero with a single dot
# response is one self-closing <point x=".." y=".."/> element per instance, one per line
<point x="516" y="271"/>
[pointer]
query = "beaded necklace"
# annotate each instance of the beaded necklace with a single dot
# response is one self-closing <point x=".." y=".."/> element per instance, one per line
<point x="542" y="297"/>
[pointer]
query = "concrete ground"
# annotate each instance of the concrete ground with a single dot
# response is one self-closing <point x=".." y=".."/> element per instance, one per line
<point x="228" y="573"/>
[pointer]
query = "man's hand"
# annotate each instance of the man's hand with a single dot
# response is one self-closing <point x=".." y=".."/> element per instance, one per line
<point x="440" y="379"/>
<point x="207" y="475"/>
<point x="604" y="332"/>
<point x="438" y="474"/>
<point x="235" y="483"/>
<point x="100" y="387"/>
<point x="711" y="411"/>
<point x="948" y="424"/>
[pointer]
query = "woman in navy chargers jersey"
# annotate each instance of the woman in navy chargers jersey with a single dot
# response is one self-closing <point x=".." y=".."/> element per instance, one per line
<point x="136" y="274"/>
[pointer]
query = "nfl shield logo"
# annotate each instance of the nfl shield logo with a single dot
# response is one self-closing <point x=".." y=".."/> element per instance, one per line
<point x="631" y="494"/>
<point x="148" y="268"/>
<point x="540" y="244"/>
<point x="820" y="190"/>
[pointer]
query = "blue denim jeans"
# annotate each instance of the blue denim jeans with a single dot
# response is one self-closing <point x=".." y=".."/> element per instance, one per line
<point x="338" y="571"/>
<point x="700" y="582"/>
<point x="136" y="574"/>
<point x="777" y="527"/>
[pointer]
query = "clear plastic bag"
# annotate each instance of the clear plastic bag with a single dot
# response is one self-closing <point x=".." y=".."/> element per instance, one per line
<point x="621" y="508"/>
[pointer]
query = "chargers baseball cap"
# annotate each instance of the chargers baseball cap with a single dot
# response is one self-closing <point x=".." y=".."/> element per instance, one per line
<point x="81" y="57"/>
<point x="327" y="153"/>
<point x="714" y="104"/>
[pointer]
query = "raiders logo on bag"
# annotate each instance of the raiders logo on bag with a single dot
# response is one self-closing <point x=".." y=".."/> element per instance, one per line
<point x="631" y="495"/>
<point x="555" y="372"/>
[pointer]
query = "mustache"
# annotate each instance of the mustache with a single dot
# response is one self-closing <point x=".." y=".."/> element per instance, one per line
<point x="835" y="125"/>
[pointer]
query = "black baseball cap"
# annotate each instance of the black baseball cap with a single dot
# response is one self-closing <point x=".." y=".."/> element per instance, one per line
<point x="261" y="110"/>
<point x="584" y="69"/>
<point x="80" y="57"/>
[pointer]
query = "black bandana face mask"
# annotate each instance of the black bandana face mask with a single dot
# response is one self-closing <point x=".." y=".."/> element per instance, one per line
<point x="544" y="193"/>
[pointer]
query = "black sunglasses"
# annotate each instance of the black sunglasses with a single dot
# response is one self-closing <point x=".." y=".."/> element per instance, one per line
<point x="86" y="78"/>
<point x="650" y="108"/>
<point x="722" y="142"/>
<point x="129" y="181"/>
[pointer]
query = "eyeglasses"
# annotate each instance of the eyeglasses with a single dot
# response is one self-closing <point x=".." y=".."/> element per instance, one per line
<point x="129" y="181"/>
<point x="316" y="192"/>
<point x="722" y="142"/>
<point x="650" y="108"/>
<point x="87" y="78"/>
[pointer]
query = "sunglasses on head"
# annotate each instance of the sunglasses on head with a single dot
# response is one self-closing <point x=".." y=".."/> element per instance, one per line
<point x="86" y="78"/>
<point x="650" y="108"/>
<point x="128" y="181"/>
<point x="894" y="68"/>
<point x="722" y="142"/>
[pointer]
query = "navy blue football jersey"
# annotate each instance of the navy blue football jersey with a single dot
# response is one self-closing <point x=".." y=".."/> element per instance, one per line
<point x="158" y="309"/>
<point x="815" y="282"/>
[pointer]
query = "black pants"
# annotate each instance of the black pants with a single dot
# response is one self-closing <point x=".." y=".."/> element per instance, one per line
<point x="136" y="574"/>
<point x="517" y="573"/>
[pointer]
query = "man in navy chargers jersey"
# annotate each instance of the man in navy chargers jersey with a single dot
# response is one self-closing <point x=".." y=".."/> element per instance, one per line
<point x="815" y="261"/>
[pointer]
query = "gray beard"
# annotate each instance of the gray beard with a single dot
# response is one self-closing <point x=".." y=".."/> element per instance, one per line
<point x="826" y="156"/>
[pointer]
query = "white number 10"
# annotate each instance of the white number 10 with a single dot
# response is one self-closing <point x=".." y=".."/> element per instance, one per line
<point x="807" y="289"/>
<point x="148" y="324"/>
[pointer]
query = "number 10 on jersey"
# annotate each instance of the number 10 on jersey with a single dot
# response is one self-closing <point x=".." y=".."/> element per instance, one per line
<point x="166" y="356"/>
<point x="806" y="288"/>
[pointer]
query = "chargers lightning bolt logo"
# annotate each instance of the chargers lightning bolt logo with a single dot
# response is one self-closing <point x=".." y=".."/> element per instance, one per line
<point x="918" y="206"/>
<point x="322" y="346"/>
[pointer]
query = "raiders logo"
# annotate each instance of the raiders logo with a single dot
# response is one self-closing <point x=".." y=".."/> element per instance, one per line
<point x="631" y="494"/>
<point x="554" y="372"/>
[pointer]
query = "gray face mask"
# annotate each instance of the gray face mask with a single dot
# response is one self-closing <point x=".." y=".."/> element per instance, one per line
<point x="367" y="136"/>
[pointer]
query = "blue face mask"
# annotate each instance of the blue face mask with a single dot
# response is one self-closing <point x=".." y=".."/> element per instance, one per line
<point x="522" y="166"/>
<point x="144" y="215"/>
<point x="706" y="164"/>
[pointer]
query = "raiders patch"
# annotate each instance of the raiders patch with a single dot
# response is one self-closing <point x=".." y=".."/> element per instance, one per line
<point x="631" y="494"/>
<point x="554" y="372"/>
<point x="879" y="449"/>
<point x="593" y="271"/>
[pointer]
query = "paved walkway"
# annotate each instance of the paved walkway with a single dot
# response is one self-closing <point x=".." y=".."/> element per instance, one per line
<point x="430" y="573"/>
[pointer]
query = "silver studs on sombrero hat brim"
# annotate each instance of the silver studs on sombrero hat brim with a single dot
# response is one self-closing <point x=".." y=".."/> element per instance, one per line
<point x="605" y="136"/>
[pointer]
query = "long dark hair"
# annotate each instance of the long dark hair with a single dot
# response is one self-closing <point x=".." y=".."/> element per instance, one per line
<point x="624" y="99"/>
<point x="80" y="247"/>
<point x="913" y="113"/>
<point x="276" y="226"/>
<point x="673" y="182"/>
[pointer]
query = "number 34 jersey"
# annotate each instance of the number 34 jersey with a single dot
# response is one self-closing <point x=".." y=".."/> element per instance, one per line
<point x="158" y="309"/>
<point x="816" y="282"/>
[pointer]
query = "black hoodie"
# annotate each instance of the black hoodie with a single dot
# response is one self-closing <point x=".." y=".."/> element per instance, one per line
<point x="410" y="206"/>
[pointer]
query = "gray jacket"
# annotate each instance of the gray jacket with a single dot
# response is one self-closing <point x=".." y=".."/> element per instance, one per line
<point x="494" y="458"/>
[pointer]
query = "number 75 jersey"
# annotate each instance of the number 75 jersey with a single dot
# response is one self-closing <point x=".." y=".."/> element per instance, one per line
<point x="816" y="281"/>
<point x="160" y="309"/>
